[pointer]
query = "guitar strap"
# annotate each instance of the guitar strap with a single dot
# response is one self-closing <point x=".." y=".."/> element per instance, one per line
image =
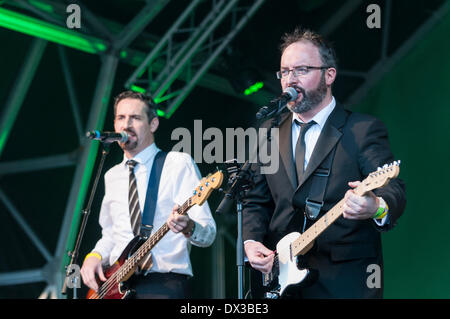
<point x="314" y="201"/>
<point x="152" y="191"/>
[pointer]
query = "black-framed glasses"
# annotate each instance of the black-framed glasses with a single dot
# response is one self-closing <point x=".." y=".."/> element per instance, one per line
<point x="299" y="71"/>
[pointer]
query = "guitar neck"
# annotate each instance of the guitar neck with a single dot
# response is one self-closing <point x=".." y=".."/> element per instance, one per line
<point x="156" y="237"/>
<point x="201" y="194"/>
<point x="302" y="244"/>
<point x="152" y="240"/>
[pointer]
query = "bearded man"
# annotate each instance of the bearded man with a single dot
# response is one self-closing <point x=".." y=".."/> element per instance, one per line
<point x="325" y="152"/>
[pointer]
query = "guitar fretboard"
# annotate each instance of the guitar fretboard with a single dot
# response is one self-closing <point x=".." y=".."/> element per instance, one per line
<point x="132" y="262"/>
<point x="302" y="244"/>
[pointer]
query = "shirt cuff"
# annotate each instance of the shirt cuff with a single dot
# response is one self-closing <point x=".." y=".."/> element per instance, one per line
<point x="202" y="236"/>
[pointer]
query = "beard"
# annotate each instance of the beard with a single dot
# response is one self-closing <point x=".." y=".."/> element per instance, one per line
<point x="311" y="99"/>
<point x="129" y="146"/>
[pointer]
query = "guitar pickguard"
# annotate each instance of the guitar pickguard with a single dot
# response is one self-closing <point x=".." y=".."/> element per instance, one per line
<point x="289" y="273"/>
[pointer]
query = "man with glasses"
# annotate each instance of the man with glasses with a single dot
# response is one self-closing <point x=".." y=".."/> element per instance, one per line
<point x="325" y="152"/>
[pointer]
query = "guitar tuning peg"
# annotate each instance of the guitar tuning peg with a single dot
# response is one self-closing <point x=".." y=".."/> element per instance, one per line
<point x="385" y="166"/>
<point x="379" y="168"/>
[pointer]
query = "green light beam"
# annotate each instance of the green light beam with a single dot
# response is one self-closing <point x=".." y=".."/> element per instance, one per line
<point x="44" y="30"/>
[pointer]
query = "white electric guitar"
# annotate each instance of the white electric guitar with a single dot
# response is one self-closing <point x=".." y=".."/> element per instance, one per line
<point x="286" y="267"/>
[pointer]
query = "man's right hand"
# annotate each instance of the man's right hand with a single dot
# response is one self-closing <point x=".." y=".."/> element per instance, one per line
<point x="92" y="266"/>
<point x="259" y="256"/>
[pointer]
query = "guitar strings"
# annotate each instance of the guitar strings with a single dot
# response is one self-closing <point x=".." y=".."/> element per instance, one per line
<point x="130" y="262"/>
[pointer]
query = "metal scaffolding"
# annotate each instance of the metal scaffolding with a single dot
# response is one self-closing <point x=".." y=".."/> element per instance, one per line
<point x="193" y="56"/>
<point x="112" y="50"/>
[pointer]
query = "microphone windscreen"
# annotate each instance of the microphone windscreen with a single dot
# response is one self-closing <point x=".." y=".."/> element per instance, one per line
<point x="124" y="136"/>
<point x="292" y="93"/>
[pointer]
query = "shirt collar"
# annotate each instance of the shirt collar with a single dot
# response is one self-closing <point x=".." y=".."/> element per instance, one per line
<point x="321" y="117"/>
<point x="144" y="156"/>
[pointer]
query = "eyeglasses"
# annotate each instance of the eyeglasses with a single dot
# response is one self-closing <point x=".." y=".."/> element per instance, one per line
<point x="299" y="71"/>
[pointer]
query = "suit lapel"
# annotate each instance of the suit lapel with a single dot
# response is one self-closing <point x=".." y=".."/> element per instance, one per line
<point x="328" y="138"/>
<point x="286" y="149"/>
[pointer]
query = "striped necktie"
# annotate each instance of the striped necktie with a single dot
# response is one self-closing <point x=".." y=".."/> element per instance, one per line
<point x="300" y="149"/>
<point x="133" y="199"/>
<point x="135" y="211"/>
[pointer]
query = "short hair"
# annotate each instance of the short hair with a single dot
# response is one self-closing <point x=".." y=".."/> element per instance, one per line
<point x="148" y="101"/>
<point x="326" y="51"/>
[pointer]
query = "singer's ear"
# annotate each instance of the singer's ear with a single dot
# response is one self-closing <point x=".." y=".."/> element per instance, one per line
<point x="330" y="76"/>
<point x="154" y="124"/>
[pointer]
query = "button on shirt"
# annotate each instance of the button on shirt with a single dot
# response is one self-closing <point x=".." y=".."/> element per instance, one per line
<point x="179" y="178"/>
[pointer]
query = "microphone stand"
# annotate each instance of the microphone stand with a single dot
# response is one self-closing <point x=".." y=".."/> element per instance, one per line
<point x="239" y="181"/>
<point x="73" y="269"/>
<point x="266" y="112"/>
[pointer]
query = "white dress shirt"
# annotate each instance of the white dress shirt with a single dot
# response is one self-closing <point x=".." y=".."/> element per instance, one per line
<point x="179" y="178"/>
<point x="313" y="133"/>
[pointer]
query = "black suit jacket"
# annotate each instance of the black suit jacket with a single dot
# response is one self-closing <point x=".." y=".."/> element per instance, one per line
<point x="342" y="253"/>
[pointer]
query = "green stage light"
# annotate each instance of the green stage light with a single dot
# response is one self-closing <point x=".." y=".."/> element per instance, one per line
<point x="254" y="88"/>
<point x="136" y="88"/>
<point x="41" y="29"/>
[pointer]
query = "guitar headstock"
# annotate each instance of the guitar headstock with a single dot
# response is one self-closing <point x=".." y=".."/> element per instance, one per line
<point x="380" y="177"/>
<point x="207" y="185"/>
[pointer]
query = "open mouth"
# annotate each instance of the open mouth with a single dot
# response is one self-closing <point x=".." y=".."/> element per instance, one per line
<point x="300" y="95"/>
<point x="131" y="133"/>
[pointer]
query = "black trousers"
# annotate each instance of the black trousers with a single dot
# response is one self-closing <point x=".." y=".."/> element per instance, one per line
<point x="160" y="286"/>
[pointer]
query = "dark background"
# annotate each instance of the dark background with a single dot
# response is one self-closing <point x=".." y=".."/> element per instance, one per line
<point x="410" y="96"/>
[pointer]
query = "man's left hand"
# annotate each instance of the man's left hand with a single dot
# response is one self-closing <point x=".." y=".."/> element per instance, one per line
<point x="359" y="207"/>
<point x="179" y="223"/>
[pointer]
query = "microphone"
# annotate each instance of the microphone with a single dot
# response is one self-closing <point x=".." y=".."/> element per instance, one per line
<point x="290" y="94"/>
<point x="107" y="137"/>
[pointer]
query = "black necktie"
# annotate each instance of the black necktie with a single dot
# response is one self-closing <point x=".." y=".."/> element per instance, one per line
<point x="133" y="200"/>
<point x="300" y="149"/>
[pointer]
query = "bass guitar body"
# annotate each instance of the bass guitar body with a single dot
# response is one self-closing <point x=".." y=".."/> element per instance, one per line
<point x="112" y="289"/>
<point x="117" y="275"/>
